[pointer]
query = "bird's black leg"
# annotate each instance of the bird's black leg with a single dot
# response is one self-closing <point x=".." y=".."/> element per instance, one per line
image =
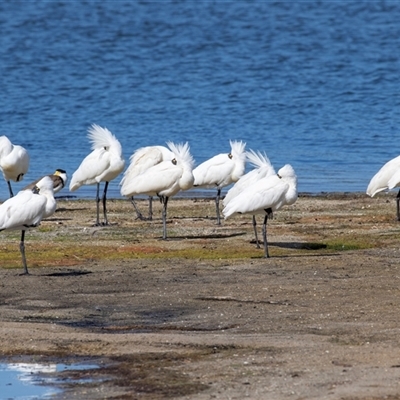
<point x="164" y="216"/>
<point x="104" y="204"/>
<point x="150" y="208"/>
<point x="217" y="206"/>
<point x="398" y="206"/>
<point x="267" y="215"/>
<point x="255" y="231"/>
<point x="22" y="250"/>
<point x="139" y="215"/>
<point x="97" y="206"/>
<point x="10" y="189"/>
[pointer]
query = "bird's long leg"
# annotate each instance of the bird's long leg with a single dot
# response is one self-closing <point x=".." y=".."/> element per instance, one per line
<point x="217" y="206"/>
<point x="264" y="231"/>
<point x="104" y="204"/>
<point x="139" y="215"/>
<point x="22" y="250"/>
<point x="255" y="231"/>
<point x="97" y="206"/>
<point x="10" y="189"/>
<point x="398" y="206"/>
<point x="150" y="208"/>
<point x="164" y="200"/>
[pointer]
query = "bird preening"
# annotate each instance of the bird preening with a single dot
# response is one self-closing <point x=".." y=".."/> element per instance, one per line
<point x="265" y="196"/>
<point x="103" y="164"/>
<point x="164" y="179"/>
<point x="262" y="168"/>
<point x="140" y="161"/>
<point x="221" y="170"/>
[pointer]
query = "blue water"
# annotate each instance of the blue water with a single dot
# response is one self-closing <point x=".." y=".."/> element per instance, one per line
<point x="312" y="83"/>
<point x="33" y="381"/>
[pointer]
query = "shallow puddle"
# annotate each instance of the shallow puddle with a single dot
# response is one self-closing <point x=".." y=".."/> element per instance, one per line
<point x="31" y="381"/>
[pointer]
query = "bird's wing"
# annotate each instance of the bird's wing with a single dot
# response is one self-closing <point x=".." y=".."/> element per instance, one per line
<point x="92" y="166"/>
<point x="214" y="171"/>
<point x="380" y="181"/>
<point x="266" y="193"/>
<point x="24" y="209"/>
<point x="143" y="159"/>
<point x="153" y="181"/>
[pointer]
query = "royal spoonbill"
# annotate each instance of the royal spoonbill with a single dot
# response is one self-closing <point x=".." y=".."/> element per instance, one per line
<point x="221" y="170"/>
<point x="388" y="177"/>
<point x="140" y="161"/>
<point x="165" y="179"/>
<point x="262" y="168"/>
<point x="103" y="164"/>
<point x="265" y="197"/>
<point x="14" y="162"/>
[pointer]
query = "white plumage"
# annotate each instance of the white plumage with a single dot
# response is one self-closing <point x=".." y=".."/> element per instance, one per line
<point x="265" y="196"/>
<point x="14" y="161"/>
<point x="27" y="209"/>
<point x="221" y="170"/>
<point x="103" y="164"/>
<point x="140" y="161"/>
<point x="164" y="179"/>
<point x="387" y="178"/>
<point x="262" y="168"/>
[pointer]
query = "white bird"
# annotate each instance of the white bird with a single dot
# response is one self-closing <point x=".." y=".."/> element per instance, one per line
<point x="265" y="196"/>
<point x="165" y="179"/>
<point x="14" y="161"/>
<point x="221" y="170"/>
<point x="103" y="164"/>
<point x="141" y="160"/>
<point x="59" y="179"/>
<point x="26" y="210"/>
<point x="388" y="177"/>
<point x="262" y="168"/>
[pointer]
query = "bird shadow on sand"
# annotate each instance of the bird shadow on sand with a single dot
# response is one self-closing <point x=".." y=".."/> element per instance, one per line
<point x="297" y="245"/>
<point x="210" y="236"/>
<point x="57" y="219"/>
<point x="68" y="273"/>
<point x="62" y="209"/>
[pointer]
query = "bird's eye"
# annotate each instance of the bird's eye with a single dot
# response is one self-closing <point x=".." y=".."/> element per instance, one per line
<point x="36" y="190"/>
<point x="278" y="176"/>
<point x="230" y="155"/>
<point x="174" y="161"/>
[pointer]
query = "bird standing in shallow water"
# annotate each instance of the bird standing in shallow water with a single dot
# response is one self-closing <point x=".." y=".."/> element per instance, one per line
<point x="165" y="179"/>
<point x="140" y="161"/>
<point x="14" y="162"/>
<point x="26" y="210"/>
<point x="264" y="197"/>
<point x="103" y="164"/>
<point x="221" y="170"/>
<point x="388" y="177"/>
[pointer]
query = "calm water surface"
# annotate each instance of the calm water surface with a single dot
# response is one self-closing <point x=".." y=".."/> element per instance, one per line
<point x="313" y="84"/>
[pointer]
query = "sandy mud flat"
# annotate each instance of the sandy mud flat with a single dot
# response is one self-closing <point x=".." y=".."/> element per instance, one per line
<point x="204" y="315"/>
